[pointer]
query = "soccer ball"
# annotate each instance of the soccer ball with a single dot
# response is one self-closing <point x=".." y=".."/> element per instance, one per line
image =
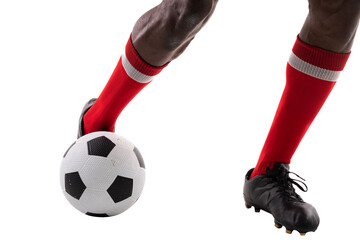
<point x="102" y="174"/>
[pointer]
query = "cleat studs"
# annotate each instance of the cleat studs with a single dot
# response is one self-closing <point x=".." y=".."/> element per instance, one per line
<point x="278" y="225"/>
<point x="302" y="234"/>
<point x="247" y="206"/>
<point x="257" y="209"/>
<point x="288" y="231"/>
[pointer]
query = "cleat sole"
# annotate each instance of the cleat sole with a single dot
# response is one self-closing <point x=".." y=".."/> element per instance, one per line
<point x="278" y="225"/>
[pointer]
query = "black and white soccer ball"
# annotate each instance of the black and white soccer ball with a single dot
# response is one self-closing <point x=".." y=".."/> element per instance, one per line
<point x="102" y="174"/>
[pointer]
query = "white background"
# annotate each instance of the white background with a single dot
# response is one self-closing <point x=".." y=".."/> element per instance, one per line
<point x="200" y="125"/>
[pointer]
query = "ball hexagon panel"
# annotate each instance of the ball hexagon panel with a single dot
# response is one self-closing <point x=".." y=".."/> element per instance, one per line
<point x="121" y="206"/>
<point x="123" y="142"/>
<point x="75" y="157"/>
<point x="74" y="185"/>
<point x="98" y="172"/>
<point x="124" y="158"/>
<point x="121" y="189"/>
<point x="97" y="201"/>
<point x="100" y="146"/>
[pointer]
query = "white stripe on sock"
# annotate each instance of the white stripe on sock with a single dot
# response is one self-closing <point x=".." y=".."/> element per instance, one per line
<point x="312" y="70"/>
<point x="133" y="73"/>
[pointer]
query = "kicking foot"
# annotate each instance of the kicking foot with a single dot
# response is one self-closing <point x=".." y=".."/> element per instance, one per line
<point x="275" y="194"/>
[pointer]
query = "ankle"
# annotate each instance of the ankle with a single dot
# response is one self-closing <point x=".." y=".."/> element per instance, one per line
<point x="260" y="168"/>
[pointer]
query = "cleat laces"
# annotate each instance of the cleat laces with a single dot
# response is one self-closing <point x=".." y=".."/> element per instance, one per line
<point x="286" y="184"/>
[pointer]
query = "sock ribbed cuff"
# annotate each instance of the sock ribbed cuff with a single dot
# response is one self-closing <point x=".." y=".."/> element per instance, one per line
<point x="138" y="63"/>
<point x="320" y="57"/>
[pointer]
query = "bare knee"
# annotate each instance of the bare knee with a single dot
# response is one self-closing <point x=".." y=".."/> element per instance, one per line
<point x="331" y="24"/>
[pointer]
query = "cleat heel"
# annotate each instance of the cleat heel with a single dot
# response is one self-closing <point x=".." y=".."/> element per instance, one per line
<point x="302" y="234"/>
<point x="288" y="231"/>
<point x="247" y="206"/>
<point x="257" y="209"/>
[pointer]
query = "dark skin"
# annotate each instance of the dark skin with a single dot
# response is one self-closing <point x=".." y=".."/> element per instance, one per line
<point x="331" y="24"/>
<point x="164" y="32"/>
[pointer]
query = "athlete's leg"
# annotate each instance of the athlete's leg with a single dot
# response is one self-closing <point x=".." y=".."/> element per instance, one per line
<point x="164" y="32"/>
<point x="158" y="37"/>
<point x="318" y="56"/>
<point x="324" y="41"/>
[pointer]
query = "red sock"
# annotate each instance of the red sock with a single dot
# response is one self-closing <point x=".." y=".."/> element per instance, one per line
<point x="130" y="76"/>
<point x="310" y="76"/>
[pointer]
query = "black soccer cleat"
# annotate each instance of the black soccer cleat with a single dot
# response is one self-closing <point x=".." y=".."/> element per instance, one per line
<point x="88" y="105"/>
<point x="275" y="194"/>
